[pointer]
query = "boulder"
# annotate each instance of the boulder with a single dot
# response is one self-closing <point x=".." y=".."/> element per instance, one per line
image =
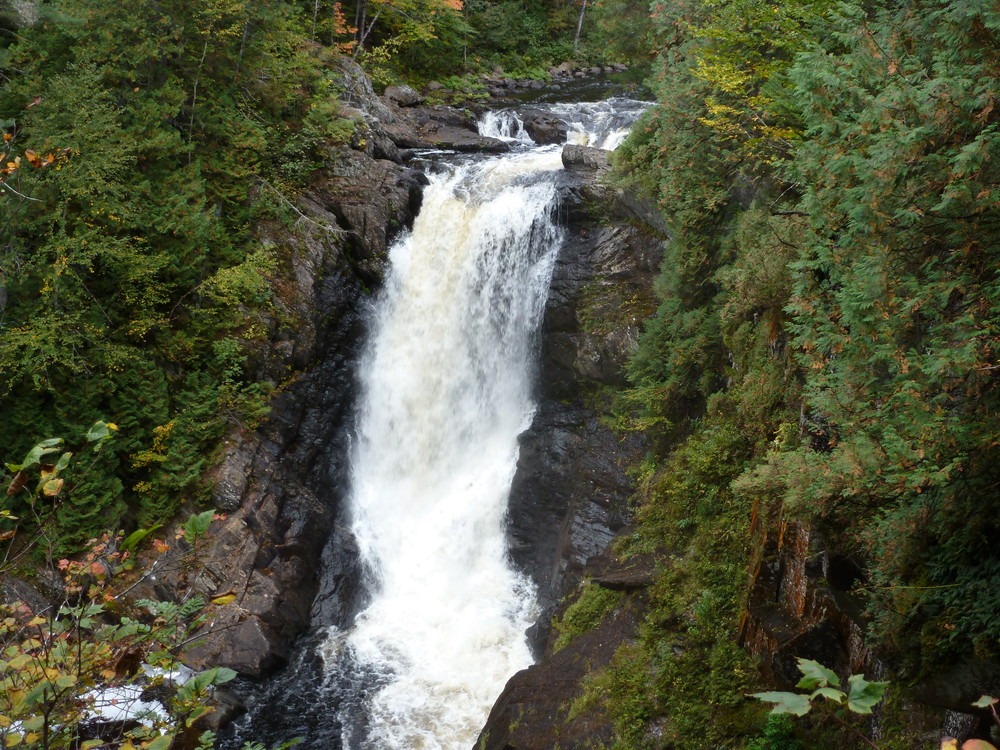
<point x="403" y="96"/>
<point x="584" y="159"/>
<point x="543" y="127"/>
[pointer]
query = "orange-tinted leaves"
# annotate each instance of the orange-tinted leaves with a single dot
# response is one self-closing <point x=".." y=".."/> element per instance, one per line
<point x="17" y="483"/>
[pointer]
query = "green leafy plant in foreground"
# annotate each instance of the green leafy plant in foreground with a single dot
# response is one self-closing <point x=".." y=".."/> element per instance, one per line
<point x="64" y="662"/>
<point x="859" y="697"/>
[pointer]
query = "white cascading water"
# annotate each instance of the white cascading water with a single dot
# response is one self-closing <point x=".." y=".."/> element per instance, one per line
<point x="603" y="124"/>
<point x="445" y="392"/>
<point x="504" y="125"/>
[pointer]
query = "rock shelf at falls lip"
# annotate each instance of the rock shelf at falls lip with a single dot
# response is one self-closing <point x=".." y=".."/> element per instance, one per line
<point x="446" y="389"/>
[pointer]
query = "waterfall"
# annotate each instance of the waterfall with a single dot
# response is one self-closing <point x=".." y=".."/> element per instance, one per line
<point x="504" y="125"/>
<point x="604" y="124"/>
<point x="445" y="390"/>
<point x="445" y="393"/>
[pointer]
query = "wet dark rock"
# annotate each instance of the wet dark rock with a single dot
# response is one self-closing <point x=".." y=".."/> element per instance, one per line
<point x="226" y="707"/>
<point x="568" y="497"/>
<point x="533" y="712"/>
<point x="440" y="127"/>
<point x="542" y="126"/>
<point x="958" y="686"/>
<point x="341" y="591"/>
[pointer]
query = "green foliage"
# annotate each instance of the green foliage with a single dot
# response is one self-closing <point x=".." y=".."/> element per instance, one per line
<point x="829" y="293"/>
<point x="685" y="675"/>
<point x="61" y="666"/>
<point x="860" y="698"/>
<point x="894" y="310"/>
<point x="197" y="526"/>
<point x="400" y="39"/>
<point x="778" y="734"/>
<point x="133" y="540"/>
<point x="617" y="31"/>
<point x="829" y="296"/>
<point x="517" y="34"/>
<point x="590" y="607"/>
<point x="281" y="746"/>
<point x="459" y="90"/>
<point x="132" y="279"/>
<point x="790" y="703"/>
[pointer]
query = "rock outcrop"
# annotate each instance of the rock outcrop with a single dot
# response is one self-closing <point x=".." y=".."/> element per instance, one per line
<point x="569" y="494"/>
<point x="543" y="127"/>
<point x="536" y="709"/>
<point x="439" y="127"/>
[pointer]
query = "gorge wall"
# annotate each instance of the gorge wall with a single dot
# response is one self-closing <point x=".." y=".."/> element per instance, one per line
<point x="281" y="486"/>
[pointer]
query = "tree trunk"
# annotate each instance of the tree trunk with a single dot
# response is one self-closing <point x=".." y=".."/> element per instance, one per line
<point x="579" y="25"/>
<point x="365" y="32"/>
<point x="360" y="18"/>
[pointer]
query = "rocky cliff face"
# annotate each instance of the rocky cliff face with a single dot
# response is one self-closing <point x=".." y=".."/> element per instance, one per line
<point x="569" y="497"/>
<point x="569" y="493"/>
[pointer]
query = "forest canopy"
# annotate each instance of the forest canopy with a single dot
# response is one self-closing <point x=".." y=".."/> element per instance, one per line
<point x="829" y="293"/>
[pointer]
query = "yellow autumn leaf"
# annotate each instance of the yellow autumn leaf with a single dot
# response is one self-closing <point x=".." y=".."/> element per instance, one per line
<point x="224" y="599"/>
<point x="52" y="487"/>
